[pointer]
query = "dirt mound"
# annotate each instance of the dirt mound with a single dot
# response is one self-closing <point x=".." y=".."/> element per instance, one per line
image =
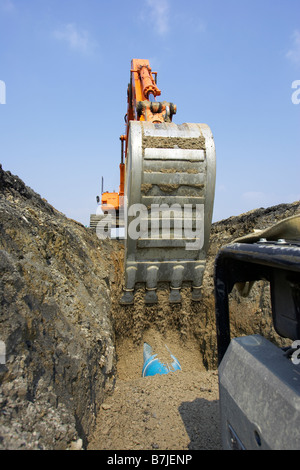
<point x="55" y="322"/>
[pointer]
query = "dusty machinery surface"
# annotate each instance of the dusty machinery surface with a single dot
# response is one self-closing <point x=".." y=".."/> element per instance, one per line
<point x="259" y="383"/>
<point x="167" y="185"/>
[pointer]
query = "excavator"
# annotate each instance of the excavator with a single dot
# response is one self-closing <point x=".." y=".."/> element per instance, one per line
<point x="166" y="193"/>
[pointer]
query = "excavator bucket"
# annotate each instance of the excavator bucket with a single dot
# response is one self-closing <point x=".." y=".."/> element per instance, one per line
<point x="169" y="196"/>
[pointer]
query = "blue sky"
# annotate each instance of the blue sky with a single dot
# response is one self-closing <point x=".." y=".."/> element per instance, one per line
<point x="65" y="67"/>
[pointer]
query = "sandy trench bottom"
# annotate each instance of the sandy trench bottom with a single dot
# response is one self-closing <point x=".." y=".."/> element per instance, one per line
<point x="175" y="411"/>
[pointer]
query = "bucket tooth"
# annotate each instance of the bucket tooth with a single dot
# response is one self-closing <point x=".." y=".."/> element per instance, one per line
<point x="196" y="293"/>
<point x="197" y="284"/>
<point x="151" y="285"/>
<point x="176" y="282"/>
<point x="151" y="296"/>
<point x="128" y="297"/>
<point x="175" y="296"/>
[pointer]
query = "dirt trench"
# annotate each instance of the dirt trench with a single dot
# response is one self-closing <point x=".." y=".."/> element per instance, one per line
<point x="175" y="411"/>
<point x="61" y="386"/>
<point x="180" y="410"/>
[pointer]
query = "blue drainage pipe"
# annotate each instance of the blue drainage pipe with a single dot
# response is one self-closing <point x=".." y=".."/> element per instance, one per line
<point x="153" y="366"/>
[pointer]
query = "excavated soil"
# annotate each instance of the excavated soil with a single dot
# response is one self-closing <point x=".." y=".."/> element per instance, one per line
<point x="176" y="411"/>
<point x="179" y="411"/>
<point x="72" y="377"/>
<point x="173" y="142"/>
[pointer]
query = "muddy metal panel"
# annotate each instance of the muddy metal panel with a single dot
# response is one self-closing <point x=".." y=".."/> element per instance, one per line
<point x="259" y="396"/>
